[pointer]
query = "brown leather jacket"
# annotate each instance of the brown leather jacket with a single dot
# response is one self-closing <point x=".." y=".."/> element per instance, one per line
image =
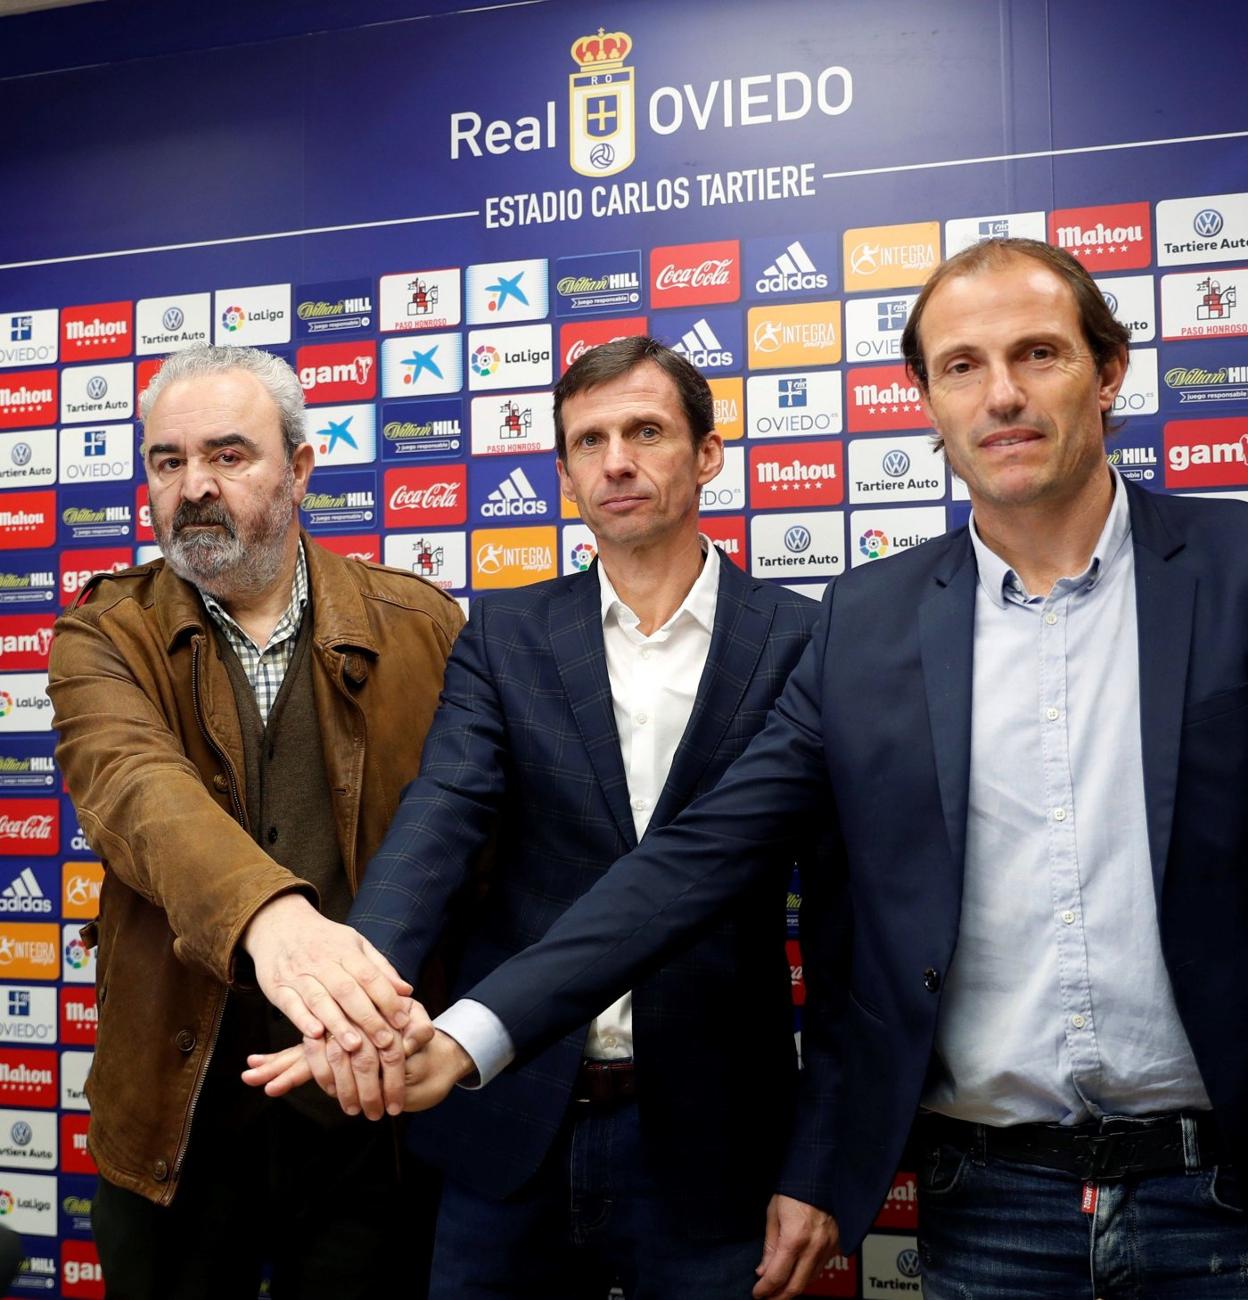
<point x="152" y="753"/>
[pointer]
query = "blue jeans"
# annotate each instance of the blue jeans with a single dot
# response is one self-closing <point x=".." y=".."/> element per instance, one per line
<point x="997" y="1229"/>
<point x="592" y="1216"/>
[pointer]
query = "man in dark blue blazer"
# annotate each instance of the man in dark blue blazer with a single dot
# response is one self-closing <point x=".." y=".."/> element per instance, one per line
<point x="576" y="714"/>
<point x="1031" y="739"/>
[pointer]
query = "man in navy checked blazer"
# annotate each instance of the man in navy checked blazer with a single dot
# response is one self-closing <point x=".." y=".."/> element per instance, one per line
<point x="575" y="714"/>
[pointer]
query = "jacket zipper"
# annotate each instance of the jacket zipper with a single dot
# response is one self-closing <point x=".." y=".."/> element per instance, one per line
<point x="237" y="804"/>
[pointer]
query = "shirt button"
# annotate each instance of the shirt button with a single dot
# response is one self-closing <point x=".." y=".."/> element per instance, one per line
<point x="184" y="1041"/>
<point x="610" y="1041"/>
<point x="641" y="719"/>
<point x="1078" y="1021"/>
<point x="641" y="804"/>
<point x="220" y="782"/>
<point x="1050" y="618"/>
<point x="272" y="835"/>
<point x="1052" y="714"/>
<point x="645" y="654"/>
<point x="1068" y="917"/>
<point x="1059" y="814"/>
<point x="160" y="1171"/>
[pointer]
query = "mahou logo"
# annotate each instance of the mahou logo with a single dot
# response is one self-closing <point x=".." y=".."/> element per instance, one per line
<point x="28" y="399"/>
<point x="338" y="372"/>
<point x="426" y="497"/>
<point x="883" y="397"/>
<point x="901" y="1206"/>
<point x="30" y="827"/>
<point x="27" y="1077"/>
<point x="689" y="275"/>
<point x="102" y="329"/>
<point x="25" y="640"/>
<point x="1114" y="237"/>
<point x="791" y="476"/>
<point x="79" y="1015"/>
<point x="75" y="1156"/>
<point x="581" y="336"/>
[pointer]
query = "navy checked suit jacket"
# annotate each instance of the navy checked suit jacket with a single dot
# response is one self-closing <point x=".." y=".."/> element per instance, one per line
<point x="523" y="757"/>
<point x="874" y="730"/>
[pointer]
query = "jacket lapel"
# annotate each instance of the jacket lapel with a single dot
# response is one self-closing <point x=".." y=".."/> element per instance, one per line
<point x="1165" y="597"/>
<point x="575" y="631"/>
<point x="946" y="643"/>
<point x="742" y="622"/>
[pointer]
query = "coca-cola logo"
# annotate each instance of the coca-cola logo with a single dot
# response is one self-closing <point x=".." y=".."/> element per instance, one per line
<point x="36" y="826"/>
<point x="686" y="275"/>
<point x="436" y="496"/>
<point x="712" y="272"/>
<point x="432" y="495"/>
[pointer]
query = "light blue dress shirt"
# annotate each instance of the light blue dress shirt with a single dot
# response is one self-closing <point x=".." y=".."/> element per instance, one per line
<point x="1057" y="1005"/>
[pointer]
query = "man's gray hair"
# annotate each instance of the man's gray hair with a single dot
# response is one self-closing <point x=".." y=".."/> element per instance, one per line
<point x="279" y="380"/>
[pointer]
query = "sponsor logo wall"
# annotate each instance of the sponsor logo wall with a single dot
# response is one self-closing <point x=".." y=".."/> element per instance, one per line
<point x="610" y="193"/>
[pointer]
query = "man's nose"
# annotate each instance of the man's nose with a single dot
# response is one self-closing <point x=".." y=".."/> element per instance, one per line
<point x="1004" y="395"/>
<point x="619" y="459"/>
<point x="199" y="483"/>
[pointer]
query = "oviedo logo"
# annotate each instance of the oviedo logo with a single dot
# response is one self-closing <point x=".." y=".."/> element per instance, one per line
<point x="602" y="135"/>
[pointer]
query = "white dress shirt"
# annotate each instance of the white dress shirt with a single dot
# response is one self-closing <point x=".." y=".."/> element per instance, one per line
<point x="654" y="681"/>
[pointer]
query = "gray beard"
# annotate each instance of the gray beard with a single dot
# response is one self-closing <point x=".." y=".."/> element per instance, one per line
<point x="227" y="564"/>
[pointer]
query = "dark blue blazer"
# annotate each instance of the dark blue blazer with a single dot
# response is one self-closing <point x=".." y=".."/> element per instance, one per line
<point x="873" y="729"/>
<point x="523" y="759"/>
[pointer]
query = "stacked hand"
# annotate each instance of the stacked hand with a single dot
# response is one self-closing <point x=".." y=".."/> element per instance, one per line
<point x="358" y="1020"/>
<point x="430" y="1063"/>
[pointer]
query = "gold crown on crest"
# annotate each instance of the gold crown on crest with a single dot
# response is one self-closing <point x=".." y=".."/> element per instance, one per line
<point x="604" y="52"/>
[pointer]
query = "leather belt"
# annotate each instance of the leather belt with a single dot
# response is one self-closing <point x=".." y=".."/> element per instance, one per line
<point x="604" y="1083"/>
<point x="1097" y="1152"/>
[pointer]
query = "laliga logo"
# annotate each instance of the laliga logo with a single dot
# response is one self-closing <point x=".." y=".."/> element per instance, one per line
<point x="873" y="543"/>
<point x="6" y="1201"/>
<point x="602" y="106"/>
<point x="484" y="360"/>
<point x="233" y="318"/>
<point x="76" y="954"/>
<point x="6" y="704"/>
<point x="582" y="556"/>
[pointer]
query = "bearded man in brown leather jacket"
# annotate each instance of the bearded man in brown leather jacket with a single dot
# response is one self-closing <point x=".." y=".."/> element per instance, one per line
<point x="236" y="724"/>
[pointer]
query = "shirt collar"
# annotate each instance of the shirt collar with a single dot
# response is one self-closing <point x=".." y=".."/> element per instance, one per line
<point x="289" y="622"/>
<point x="998" y="580"/>
<point x="698" y="604"/>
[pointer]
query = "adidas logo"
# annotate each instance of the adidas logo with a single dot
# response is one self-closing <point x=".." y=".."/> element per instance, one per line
<point x="791" y="272"/>
<point x="24" y="895"/>
<point x="700" y="347"/>
<point x="513" y="496"/>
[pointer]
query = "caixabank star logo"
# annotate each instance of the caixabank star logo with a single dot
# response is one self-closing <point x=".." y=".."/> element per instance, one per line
<point x="602" y="111"/>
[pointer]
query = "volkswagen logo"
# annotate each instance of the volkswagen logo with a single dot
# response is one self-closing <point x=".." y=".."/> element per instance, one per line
<point x="21" y="453"/>
<point x="1207" y="222"/>
<point x="896" y="463"/>
<point x="797" y="538"/>
<point x="1111" y="301"/>
<point x="97" y="386"/>
<point x="908" y="1263"/>
<point x="21" y="1133"/>
<point x="172" y="319"/>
